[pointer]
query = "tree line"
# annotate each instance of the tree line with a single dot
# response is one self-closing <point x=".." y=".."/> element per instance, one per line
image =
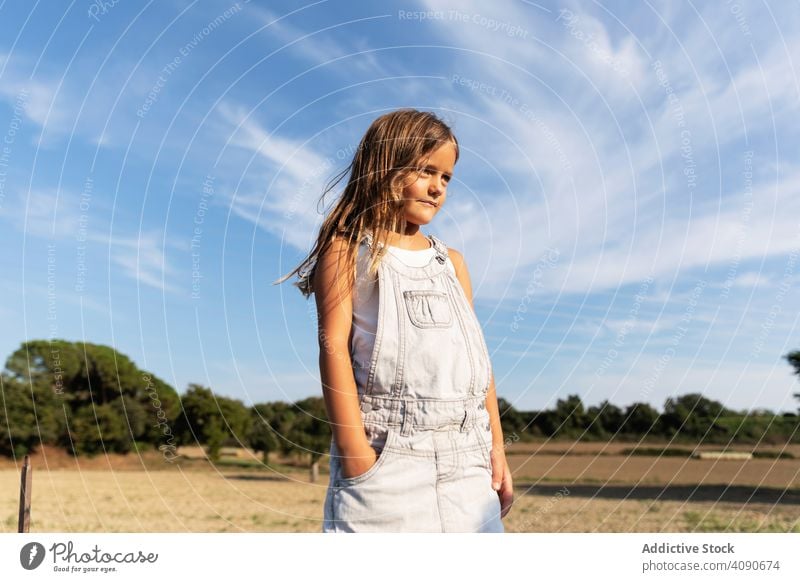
<point x="89" y="399"/>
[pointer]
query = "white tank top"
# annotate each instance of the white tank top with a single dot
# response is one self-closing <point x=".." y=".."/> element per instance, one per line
<point x="365" y="299"/>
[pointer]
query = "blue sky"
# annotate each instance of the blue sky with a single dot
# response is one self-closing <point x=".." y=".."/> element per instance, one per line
<point x="627" y="197"/>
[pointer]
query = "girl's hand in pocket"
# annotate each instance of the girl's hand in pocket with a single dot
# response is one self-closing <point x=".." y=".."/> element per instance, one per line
<point x="358" y="462"/>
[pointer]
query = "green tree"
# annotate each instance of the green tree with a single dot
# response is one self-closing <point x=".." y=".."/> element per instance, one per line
<point x="794" y="359"/>
<point x="269" y="426"/>
<point x="640" y="419"/>
<point x="572" y="416"/>
<point x="567" y="419"/>
<point x="97" y="429"/>
<point x="695" y="416"/>
<point x="512" y="420"/>
<point x="311" y="431"/>
<point x="605" y="419"/>
<point x="211" y="420"/>
<point x="28" y="416"/>
<point x="94" y="383"/>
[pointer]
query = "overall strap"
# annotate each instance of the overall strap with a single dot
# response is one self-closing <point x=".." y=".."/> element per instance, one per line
<point x="441" y="248"/>
<point x="438" y="245"/>
<point x="368" y="238"/>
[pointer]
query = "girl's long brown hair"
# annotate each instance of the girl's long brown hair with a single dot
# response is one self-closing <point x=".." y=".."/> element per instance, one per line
<point x="372" y="201"/>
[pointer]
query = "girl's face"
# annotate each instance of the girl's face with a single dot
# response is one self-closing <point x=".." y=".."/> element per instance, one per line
<point x="427" y="190"/>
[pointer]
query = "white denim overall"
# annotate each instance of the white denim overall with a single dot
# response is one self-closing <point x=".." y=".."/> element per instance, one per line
<point x="423" y="404"/>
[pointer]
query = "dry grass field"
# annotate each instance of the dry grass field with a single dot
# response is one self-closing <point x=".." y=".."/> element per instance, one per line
<point x="559" y="487"/>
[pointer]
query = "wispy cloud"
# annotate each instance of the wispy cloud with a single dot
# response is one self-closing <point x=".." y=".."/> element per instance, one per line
<point x="320" y="46"/>
<point x="44" y="99"/>
<point x="591" y="208"/>
<point x="143" y="259"/>
<point x="287" y="177"/>
<point x="55" y="215"/>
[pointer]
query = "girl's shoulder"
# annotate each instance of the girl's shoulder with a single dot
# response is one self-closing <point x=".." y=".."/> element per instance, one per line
<point x="456" y="260"/>
<point x="342" y="244"/>
<point x="338" y="246"/>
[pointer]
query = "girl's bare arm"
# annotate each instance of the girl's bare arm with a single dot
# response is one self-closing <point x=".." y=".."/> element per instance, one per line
<point x="501" y="473"/>
<point x="335" y="310"/>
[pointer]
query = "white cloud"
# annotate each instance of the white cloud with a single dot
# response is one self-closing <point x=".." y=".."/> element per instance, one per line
<point x="44" y="100"/>
<point x="752" y="279"/>
<point x="56" y="215"/>
<point x="285" y="179"/>
<point x="319" y="47"/>
<point x="288" y="155"/>
<point x="611" y="214"/>
<point x="44" y="213"/>
<point x="142" y="259"/>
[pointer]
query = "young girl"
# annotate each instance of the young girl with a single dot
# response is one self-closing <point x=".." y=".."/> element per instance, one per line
<point x="407" y="382"/>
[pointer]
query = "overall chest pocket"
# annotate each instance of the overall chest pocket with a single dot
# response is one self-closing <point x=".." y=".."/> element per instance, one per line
<point x="428" y="308"/>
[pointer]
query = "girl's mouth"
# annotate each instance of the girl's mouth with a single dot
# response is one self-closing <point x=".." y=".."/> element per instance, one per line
<point x="428" y="203"/>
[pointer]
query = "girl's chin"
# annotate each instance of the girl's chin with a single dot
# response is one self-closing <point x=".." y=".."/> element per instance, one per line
<point x="421" y="217"/>
<point x="418" y="220"/>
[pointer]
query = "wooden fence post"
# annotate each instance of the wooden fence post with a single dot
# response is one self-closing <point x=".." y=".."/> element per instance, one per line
<point x="25" y="496"/>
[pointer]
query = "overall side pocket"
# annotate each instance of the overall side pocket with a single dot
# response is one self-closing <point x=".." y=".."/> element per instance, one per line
<point x="385" y="452"/>
<point x="485" y="438"/>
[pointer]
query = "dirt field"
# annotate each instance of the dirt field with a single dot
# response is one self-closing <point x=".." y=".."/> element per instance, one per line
<point x="560" y="488"/>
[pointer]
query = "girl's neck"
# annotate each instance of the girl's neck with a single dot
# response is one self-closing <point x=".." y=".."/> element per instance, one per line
<point x="415" y="240"/>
